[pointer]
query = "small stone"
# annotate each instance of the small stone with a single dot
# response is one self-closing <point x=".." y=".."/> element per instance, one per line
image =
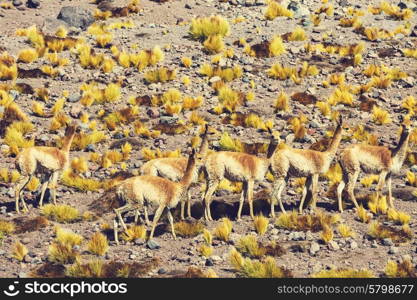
<point x="90" y="148"/>
<point x="10" y="192"/>
<point x="214" y="79"/>
<point x="162" y="271"/>
<point x="33" y="3"/>
<point x="387" y="242"/>
<point x="2" y="252"/>
<point x="76" y="16"/>
<point x="209" y="262"/>
<point x="314" y="248"/>
<point x="152" y="245"/>
<point x="74" y="97"/>
<point x="216" y="258"/>
<point x="333" y="245"/>
<point x="393" y="250"/>
<point x="153" y="112"/>
<point x="17" y="3"/>
<point x="353" y="245"/>
<point x="139" y="242"/>
<point x="23" y="275"/>
<point x="374" y="244"/>
<point x="25" y="241"/>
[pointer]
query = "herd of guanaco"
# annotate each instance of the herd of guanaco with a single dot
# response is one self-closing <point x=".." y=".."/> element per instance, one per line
<point x="165" y="182"/>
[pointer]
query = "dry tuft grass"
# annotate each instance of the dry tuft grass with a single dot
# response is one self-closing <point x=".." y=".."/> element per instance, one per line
<point x="249" y="268"/>
<point x="19" y="251"/>
<point x="379" y="231"/>
<point x="314" y="223"/>
<point x="261" y="224"/>
<point x="188" y="229"/>
<point x="98" y="244"/>
<point x="6" y="227"/>
<point x="223" y="230"/>
<point x="134" y="232"/>
<point x="202" y="28"/>
<point x="345" y="231"/>
<point x="403" y="269"/>
<point x="344" y="273"/>
<point x="61" y="213"/>
<point x="363" y="215"/>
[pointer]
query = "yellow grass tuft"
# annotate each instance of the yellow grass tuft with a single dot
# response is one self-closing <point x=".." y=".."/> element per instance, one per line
<point x="249" y="268"/>
<point x="344" y="273"/>
<point x="206" y="250"/>
<point x="327" y="234"/>
<point x="223" y="230"/>
<point x="345" y="231"/>
<point x="98" y="244"/>
<point x="275" y="10"/>
<point x="6" y="227"/>
<point x="27" y="55"/>
<point x="19" y="251"/>
<point x="71" y="179"/>
<point x="160" y="75"/>
<point x="261" y="224"/>
<point x="214" y="44"/>
<point x="134" y="232"/>
<point x="188" y="229"/>
<point x="61" y="213"/>
<point x="202" y="28"/>
<point x="363" y="215"/>
<point x="380" y="116"/>
<point x="403" y="269"/>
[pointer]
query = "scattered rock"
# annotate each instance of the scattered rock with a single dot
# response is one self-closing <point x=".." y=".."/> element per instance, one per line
<point x="393" y="250"/>
<point x="333" y="245"/>
<point x="162" y="271"/>
<point x="76" y="16"/>
<point x="74" y="97"/>
<point x="209" y="262"/>
<point x="314" y="248"/>
<point x="151" y="244"/>
<point x="353" y="245"/>
<point x="139" y="242"/>
<point x="17" y="3"/>
<point x="387" y="242"/>
<point x="33" y="3"/>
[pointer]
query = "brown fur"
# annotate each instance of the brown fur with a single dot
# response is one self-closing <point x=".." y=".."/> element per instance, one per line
<point x="51" y="159"/>
<point x="299" y="163"/>
<point x="371" y="159"/>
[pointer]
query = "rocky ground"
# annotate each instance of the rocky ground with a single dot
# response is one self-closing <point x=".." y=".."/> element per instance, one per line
<point x="166" y="24"/>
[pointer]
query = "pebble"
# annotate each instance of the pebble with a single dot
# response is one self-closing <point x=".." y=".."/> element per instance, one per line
<point x="151" y="244"/>
<point x="314" y="248"/>
<point x="353" y="245"/>
<point x="387" y="242"/>
<point x="393" y="250"/>
<point x="333" y="245"/>
<point x="209" y="262"/>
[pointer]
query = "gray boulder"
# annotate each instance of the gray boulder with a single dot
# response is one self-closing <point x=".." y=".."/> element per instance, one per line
<point x="76" y="16"/>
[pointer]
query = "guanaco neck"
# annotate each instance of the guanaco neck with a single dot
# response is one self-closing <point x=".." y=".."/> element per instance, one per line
<point x="400" y="151"/>
<point x="67" y="142"/>
<point x="334" y="144"/>
<point x="272" y="147"/>
<point x="188" y="174"/>
<point x="204" y="145"/>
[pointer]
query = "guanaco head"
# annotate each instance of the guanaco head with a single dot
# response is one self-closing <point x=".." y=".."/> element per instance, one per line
<point x="274" y="141"/>
<point x="71" y="129"/>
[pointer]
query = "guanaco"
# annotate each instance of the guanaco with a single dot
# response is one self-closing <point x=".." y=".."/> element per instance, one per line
<point x="143" y="191"/>
<point x="372" y="159"/>
<point x="173" y="168"/>
<point x="49" y="159"/>
<point x="237" y="167"/>
<point x="308" y="163"/>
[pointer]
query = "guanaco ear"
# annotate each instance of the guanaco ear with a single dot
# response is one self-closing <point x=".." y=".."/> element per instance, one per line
<point x="340" y="120"/>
